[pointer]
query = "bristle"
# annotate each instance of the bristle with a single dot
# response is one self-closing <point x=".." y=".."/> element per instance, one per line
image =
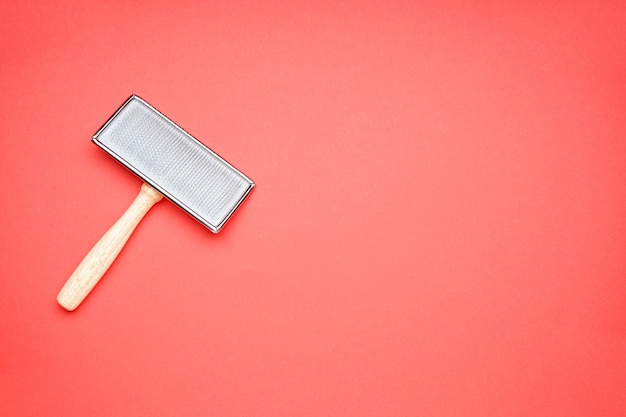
<point x="174" y="162"/>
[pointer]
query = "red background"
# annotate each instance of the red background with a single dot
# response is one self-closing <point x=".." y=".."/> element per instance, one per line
<point x="438" y="227"/>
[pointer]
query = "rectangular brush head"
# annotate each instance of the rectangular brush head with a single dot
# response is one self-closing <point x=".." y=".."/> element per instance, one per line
<point x="175" y="163"/>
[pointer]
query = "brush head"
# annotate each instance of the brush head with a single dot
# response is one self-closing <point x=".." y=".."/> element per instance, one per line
<point x="175" y="163"/>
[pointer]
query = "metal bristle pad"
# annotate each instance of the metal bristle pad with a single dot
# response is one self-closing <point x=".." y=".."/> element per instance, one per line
<point x="175" y="163"/>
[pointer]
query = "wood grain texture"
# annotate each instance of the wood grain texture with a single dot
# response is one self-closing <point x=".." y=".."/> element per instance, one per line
<point x="104" y="252"/>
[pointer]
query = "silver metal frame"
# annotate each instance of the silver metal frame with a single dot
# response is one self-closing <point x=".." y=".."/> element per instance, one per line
<point x="213" y="227"/>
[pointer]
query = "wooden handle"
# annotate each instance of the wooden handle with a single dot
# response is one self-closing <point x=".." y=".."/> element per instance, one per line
<point x="102" y="255"/>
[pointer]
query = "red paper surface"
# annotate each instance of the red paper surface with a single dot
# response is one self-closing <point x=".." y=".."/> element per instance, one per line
<point x="438" y="227"/>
